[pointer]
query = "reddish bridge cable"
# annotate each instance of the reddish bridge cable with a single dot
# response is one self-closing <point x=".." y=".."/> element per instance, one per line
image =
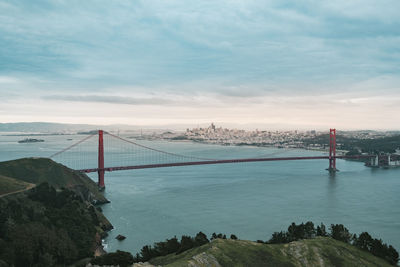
<point x="73" y="145"/>
<point x="204" y="161"/>
<point x="157" y="150"/>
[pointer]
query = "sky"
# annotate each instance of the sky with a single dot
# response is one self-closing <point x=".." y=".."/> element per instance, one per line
<point x="258" y="64"/>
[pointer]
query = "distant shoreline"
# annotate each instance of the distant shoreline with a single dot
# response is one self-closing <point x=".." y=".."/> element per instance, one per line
<point x="38" y="134"/>
<point x="254" y="145"/>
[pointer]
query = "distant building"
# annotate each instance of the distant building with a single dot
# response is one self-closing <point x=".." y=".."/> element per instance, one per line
<point x="384" y="160"/>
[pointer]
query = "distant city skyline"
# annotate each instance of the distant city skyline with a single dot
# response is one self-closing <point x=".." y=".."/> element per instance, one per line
<point x="279" y="64"/>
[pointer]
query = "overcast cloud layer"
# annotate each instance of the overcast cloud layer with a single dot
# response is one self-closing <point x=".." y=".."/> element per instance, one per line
<point x="299" y="63"/>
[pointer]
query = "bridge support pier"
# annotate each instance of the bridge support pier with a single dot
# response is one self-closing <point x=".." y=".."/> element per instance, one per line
<point x="332" y="151"/>
<point x="101" y="162"/>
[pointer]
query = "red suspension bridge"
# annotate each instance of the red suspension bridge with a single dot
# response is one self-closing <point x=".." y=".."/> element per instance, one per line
<point x="138" y="156"/>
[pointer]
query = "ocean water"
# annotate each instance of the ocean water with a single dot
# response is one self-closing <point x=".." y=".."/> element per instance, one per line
<point x="250" y="200"/>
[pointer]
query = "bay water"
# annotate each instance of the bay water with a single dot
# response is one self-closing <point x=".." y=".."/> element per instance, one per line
<point x="250" y="200"/>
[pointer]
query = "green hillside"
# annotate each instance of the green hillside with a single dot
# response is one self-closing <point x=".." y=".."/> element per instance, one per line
<point x="53" y="223"/>
<point x="9" y="185"/>
<point x="48" y="227"/>
<point x="39" y="170"/>
<point x="321" y="251"/>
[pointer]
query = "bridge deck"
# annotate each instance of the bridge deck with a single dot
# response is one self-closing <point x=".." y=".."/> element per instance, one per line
<point x="222" y="161"/>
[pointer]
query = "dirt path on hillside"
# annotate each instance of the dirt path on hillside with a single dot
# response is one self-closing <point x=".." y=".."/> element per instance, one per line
<point x="30" y="186"/>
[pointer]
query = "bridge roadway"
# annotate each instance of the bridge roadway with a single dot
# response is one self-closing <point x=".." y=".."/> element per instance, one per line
<point x="222" y="161"/>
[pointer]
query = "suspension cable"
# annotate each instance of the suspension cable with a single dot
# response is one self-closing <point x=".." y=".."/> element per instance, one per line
<point x="71" y="146"/>
<point x="156" y="150"/>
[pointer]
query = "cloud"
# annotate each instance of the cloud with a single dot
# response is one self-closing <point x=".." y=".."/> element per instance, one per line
<point x="113" y="100"/>
<point x="156" y="42"/>
<point x="8" y="80"/>
<point x="210" y="53"/>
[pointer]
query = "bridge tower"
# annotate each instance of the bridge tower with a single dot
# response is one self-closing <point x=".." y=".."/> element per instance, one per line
<point x="101" y="161"/>
<point x="332" y="150"/>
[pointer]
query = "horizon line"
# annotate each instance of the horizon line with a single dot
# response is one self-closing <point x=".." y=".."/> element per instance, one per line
<point x="183" y="126"/>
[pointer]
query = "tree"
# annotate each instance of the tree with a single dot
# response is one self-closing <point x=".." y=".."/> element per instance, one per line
<point x="120" y="258"/>
<point x="309" y="230"/>
<point x="279" y="238"/>
<point x="146" y="253"/>
<point x="46" y="260"/>
<point x="214" y="236"/>
<point x="44" y="193"/>
<point x="378" y="248"/>
<point x="200" y="239"/>
<point x="364" y="241"/>
<point x="173" y="245"/>
<point x="295" y="232"/>
<point x="392" y="255"/>
<point x="35" y="243"/>
<point x="187" y="243"/>
<point x="341" y="233"/>
<point x="161" y="248"/>
<point x="321" y="230"/>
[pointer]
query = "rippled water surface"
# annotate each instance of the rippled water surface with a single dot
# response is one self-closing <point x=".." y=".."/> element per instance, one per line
<point x="251" y="200"/>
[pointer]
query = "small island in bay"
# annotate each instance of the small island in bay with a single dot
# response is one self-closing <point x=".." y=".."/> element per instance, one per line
<point x="120" y="237"/>
<point x="30" y="140"/>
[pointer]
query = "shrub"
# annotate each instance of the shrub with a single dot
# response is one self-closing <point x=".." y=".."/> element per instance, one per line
<point x="121" y="258"/>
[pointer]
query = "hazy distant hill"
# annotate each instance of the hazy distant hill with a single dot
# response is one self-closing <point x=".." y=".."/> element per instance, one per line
<point x="50" y="127"/>
<point x="321" y="251"/>
<point x="39" y="170"/>
<point x="381" y="144"/>
<point x="45" y="127"/>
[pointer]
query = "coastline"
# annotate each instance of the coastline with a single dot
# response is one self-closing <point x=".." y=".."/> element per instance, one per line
<point x="253" y="145"/>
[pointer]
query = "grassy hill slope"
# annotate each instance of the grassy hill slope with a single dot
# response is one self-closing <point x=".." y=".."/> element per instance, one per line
<point x="10" y="185"/>
<point x="38" y="170"/>
<point x="321" y="251"/>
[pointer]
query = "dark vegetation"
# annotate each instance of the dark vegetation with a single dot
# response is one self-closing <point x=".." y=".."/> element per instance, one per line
<point x="169" y="246"/>
<point x="172" y="245"/>
<point x="45" y="227"/>
<point x="121" y="258"/>
<point x="180" y="137"/>
<point x="294" y="233"/>
<point x="356" y="146"/>
<point x="338" y="232"/>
